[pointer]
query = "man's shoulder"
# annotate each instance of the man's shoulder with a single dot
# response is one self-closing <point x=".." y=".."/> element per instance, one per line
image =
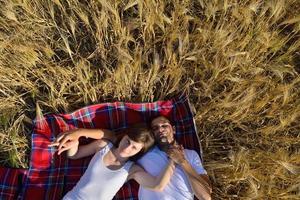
<point x="154" y="155"/>
<point x="195" y="160"/>
<point x="153" y="151"/>
<point x="190" y="151"/>
<point x="191" y="154"/>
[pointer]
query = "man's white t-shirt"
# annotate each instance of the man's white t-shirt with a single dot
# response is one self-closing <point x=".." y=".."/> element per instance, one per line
<point x="179" y="187"/>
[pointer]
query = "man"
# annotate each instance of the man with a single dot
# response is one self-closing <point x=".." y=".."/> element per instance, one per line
<point x="189" y="176"/>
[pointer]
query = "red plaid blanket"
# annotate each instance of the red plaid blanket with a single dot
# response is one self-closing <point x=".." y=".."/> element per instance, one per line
<point x="11" y="182"/>
<point x="50" y="177"/>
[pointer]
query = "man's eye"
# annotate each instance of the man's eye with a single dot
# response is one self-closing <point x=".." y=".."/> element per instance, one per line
<point x="164" y="126"/>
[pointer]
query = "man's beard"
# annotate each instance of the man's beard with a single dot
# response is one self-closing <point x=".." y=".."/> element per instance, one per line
<point x="164" y="144"/>
<point x="164" y="140"/>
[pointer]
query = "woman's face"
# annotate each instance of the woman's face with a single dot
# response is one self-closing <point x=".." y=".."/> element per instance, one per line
<point x="128" y="147"/>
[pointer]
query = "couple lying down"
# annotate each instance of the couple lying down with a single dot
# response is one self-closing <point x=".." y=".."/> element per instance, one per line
<point x="164" y="172"/>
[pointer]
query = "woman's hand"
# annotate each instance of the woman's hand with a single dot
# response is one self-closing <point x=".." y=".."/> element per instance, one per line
<point x="69" y="141"/>
<point x="66" y="140"/>
<point x="71" y="146"/>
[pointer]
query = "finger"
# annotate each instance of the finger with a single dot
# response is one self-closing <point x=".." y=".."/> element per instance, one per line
<point x="173" y="151"/>
<point x="175" y="145"/>
<point x="169" y="153"/>
<point x="173" y="167"/>
<point x="63" y="146"/>
<point x="172" y="163"/>
<point x="57" y="139"/>
<point x="175" y="148"/>
<point x="172" y="155"/>
<point x="68" y="144"/>
<point x="61" y="136"/>
<point x="171" y="147"/>
<point x="181" y="147"/>
<point x="53" y="144"/>
<point x="63" y="141"/>
<point x="63" y="149"/>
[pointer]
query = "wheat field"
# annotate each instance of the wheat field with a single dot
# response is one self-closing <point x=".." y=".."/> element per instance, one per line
<point x="239" y="61"/>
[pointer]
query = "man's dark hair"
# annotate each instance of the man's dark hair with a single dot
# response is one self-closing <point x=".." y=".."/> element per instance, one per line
<point x="154" y="117"/>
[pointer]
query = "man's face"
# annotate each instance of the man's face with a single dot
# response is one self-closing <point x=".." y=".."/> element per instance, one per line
<point x="162" y="130"/>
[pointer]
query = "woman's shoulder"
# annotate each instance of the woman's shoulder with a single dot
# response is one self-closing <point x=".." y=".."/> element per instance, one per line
<point x="134" y="168"/>
<point x="103" y="144"/>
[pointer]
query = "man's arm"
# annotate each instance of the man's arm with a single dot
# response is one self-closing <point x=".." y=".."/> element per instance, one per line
<point x="199" y="182"/>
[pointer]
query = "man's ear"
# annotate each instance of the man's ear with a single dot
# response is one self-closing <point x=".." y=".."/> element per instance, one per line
<point x="174" y="129"/>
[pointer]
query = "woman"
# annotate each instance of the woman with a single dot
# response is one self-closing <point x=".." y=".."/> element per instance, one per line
<point x="111" y="166"/>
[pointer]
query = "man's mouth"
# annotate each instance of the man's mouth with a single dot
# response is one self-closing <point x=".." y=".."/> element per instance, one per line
<point x="162" y="134"/>
<point x="163" y="140"/>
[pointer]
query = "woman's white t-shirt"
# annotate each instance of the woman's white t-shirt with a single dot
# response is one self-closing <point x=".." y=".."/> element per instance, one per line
<point x="98" y="181"/>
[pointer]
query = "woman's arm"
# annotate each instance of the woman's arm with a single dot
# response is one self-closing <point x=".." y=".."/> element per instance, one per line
<point x="146" y="180"/>
<point x="81" y="151"/>
<point x="73" y="136"/>
<point x="69" y="141"/>
<point x="75" y="152"/>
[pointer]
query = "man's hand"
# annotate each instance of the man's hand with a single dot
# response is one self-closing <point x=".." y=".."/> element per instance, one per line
<point x="176" y="153"/>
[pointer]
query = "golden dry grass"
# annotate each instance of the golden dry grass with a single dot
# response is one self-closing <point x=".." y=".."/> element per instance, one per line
<point x="238" y="59"/>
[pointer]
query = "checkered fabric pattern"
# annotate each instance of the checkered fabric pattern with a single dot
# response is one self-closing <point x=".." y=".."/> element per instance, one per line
<point x="50" y="176"/>
<point x="11" y="182"/>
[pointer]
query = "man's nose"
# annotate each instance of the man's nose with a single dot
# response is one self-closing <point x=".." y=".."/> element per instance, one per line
<point x="161" y="129"/>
